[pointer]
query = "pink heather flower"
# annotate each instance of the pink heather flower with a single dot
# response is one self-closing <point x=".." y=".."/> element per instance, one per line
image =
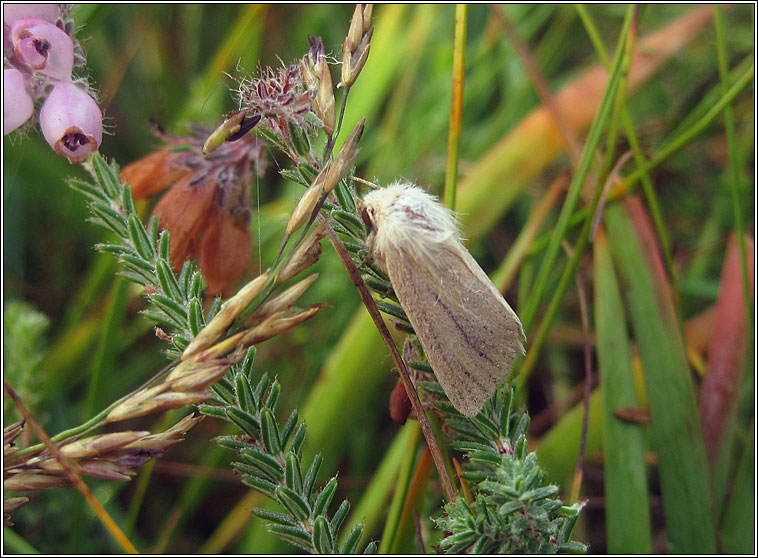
<point x="13" y="12"/>
<point x="44" y="47"/>
<point x="17" y="103"/>
<point x="71" y="122"/>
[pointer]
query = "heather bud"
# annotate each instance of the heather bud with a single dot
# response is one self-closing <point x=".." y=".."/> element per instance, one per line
<point x="10" y="505"/>
<point x="226" y="316"/>
<point x="17" y="103"/>
<point x="357" y="43"/>
<point x="44" y="47"/>
<point x="100" y="444"/>
<point x="304" y="256"/>
<point x="282" y="302"/>
<point x="345" y="158"/>
<point x="278" y="323"/>
<point x="32" y="480"/>
<point x="306" y="205"/>
<point x="324" y="101"/>
<point x="71" y="122"/>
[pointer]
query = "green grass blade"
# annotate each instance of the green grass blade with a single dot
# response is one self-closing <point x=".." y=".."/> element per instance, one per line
<point x="350" y="376"/>
<point x="104" y="360"/>
<point x="402" y="486"/>
<point x="735" y="179"/>
<point x="588" y="156"/>
<point x="245" y="36"/>
<point x="698" y="120"/>
<point x="371" y="506"/>
<point x="558" y="450"/>
<point x="676" y="434"/>
<point x="14" y="544"/>
<point x="388" y="163"/>
<point x="738" y="526"/>
<point x="627" y="513"/>
<point x="511" y="165"/>
<point x="405" y="540"/>
<point x="634" y="143"/>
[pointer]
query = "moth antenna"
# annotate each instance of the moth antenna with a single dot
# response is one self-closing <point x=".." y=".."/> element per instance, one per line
<point x="366" y="182"/>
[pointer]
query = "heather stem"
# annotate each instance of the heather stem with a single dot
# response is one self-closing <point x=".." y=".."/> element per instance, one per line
<point x="370" y="304"/>
<point x="333" y="137"/>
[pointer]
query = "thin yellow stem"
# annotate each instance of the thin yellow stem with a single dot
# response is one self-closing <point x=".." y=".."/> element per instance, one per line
<point x="71" y="472"/>
<point x="456" y="106"/>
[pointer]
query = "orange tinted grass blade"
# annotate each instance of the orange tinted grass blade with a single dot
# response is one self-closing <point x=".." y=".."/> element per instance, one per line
<point x="511" y="165"/>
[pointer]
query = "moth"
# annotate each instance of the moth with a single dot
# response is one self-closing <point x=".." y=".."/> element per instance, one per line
<point x="469" y="333"/>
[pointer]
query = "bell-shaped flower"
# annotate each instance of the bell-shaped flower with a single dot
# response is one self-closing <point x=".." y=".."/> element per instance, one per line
<point x="183" y="211"/>
<point x="71" y="122"/>
<point x="225" y="250"/>
<point x="44" y="47"/>
<point x="153" y="173"/>
<point x="17" y="103"/>
<point x="13" y="12"/>
<point x="207" y="209"/>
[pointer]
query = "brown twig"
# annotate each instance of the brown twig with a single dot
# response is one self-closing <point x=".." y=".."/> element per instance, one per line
<point x="373" y="311"/>
<point x="419" y="534"/>
<point x="579" y="471"/>
<point x="464" y="485"/>
<point x="546" y="418"/>
<point x="612" y="180"/>
<point x="73" y="474"/>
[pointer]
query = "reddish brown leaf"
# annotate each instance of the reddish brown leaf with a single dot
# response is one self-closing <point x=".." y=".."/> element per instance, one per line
<point x="728" y="348"/>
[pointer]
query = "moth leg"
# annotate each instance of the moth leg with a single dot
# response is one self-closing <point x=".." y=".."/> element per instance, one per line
<point x="426" y="405"/>
<point x="370" y="241"/>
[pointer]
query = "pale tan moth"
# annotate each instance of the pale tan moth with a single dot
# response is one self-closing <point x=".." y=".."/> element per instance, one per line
<point x="469" y="333"/>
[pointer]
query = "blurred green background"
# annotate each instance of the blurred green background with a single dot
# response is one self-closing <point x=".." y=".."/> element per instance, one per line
<point x="167" y="64"/>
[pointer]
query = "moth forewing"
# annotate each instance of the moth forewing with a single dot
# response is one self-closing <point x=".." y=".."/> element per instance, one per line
<point x="468" y="331"/>
<point x="467" y="334"/>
